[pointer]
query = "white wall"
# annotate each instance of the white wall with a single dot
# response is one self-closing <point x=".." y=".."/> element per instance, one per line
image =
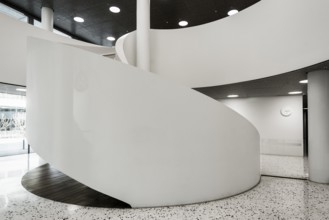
<point x="279" y="134"/>
<point x="13" y="39"/>
<point x="257" y="42"/>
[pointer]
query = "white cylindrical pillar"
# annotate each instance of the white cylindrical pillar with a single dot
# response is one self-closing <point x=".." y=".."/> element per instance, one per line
<point x="47" y="18"/>
<point x="143" y="35"/>
<point x="318" y="125"/>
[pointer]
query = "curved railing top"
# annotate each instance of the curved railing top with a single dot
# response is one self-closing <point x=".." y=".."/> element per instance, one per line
<point x="269" y="38"/>
<point x="119" y="48"/>
<point x="13" y="55"/>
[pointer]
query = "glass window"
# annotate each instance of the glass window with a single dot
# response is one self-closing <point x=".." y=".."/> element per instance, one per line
<point x="12" y="120"/>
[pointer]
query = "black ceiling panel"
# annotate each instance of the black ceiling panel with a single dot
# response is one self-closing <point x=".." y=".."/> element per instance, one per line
<point x="100" y="22"/>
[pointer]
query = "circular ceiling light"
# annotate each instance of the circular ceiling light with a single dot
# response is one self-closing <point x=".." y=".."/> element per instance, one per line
<point x="305" y="81"/>
<point x="110" y="38"/>
<point x="233" y="96"/>
<point x="114" y="9"/>
<point x="295" y="92"/>
<point x="183" y="23"/>
<point x="232" y="12"/>
<point x="79" y="19"/>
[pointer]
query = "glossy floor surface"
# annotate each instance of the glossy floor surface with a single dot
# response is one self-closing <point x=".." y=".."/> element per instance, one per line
<point x="12" y="146"/>
<point x="273" y="198"/>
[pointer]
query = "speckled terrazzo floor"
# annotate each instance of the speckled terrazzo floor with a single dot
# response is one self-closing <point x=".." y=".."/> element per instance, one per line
<point x="273" y="198"/>
<point x="284" y="166"/>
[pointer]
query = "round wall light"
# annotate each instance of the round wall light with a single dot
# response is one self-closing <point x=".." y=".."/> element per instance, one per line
<point x="286" y="111"/>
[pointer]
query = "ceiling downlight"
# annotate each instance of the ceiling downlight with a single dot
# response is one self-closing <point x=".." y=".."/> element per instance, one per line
<point x="183" y="23"/>
<point x="233" y="96"/>
<point x="232" y="12"/>
<point x="110" y="38"/>
<point x="295" y="92"/>
<point x="115" y="9"/>
<point x="79" y="19"/>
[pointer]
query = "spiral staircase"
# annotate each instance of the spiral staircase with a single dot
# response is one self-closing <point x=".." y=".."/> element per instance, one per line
<point x="147" y="138"/>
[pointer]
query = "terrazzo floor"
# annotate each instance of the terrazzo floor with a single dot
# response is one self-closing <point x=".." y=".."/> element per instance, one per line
<point x="273" y="198"/>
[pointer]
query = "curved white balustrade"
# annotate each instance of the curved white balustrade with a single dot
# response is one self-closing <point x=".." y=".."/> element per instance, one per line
<point x="133" y="135"/>
<point x="266" y="39"/>
<point x="13" y="47"/>
<point x="119" y="49"/>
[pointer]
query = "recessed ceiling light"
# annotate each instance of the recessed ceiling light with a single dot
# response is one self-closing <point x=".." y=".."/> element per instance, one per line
<point x="232" y="12"/>
<point x="233" y="96"/>
<point x="303" y="81"/>
<point x="79" y="19"/>
<point x="183" y="23"/>
<point x="21" y="89"/>
<point x="295" y="92"/>
<point x="110" y="38"/>
<point x="114" y="9"/>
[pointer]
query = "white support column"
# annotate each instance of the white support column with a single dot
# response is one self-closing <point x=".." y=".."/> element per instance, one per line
<point x="318" y="125"/>
<point x="47" y="18"/>
<point x="143" y="35"/>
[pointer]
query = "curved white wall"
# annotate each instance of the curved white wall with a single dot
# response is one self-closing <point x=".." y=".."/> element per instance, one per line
<point x="132" y="135"/>
<point x="13" y="39"/>
<point x="268" y="38"/>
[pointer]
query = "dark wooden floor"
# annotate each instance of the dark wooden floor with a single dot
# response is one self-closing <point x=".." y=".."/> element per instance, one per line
<point x="47" y="182"/>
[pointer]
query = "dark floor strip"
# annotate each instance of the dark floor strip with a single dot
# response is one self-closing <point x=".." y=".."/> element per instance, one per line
<point x="286" y="177"/>
<point x="47" y="182"/>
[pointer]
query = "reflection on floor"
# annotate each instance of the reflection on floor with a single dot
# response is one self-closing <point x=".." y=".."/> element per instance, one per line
<point x="47" y="182"/>
<point x="284" y="166"/>
<point x="12" y="146"/>
<point x="273" y="198"/>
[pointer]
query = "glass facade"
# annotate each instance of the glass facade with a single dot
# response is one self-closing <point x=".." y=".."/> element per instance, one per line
<point x="12" y="120"/>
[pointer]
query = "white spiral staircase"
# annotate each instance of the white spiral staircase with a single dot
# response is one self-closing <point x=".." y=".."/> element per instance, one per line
<point x="147" y="138"/>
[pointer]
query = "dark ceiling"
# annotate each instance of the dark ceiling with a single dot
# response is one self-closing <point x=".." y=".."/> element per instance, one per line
<point x="278" y="85"/>
<point x="101" y="23"/>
